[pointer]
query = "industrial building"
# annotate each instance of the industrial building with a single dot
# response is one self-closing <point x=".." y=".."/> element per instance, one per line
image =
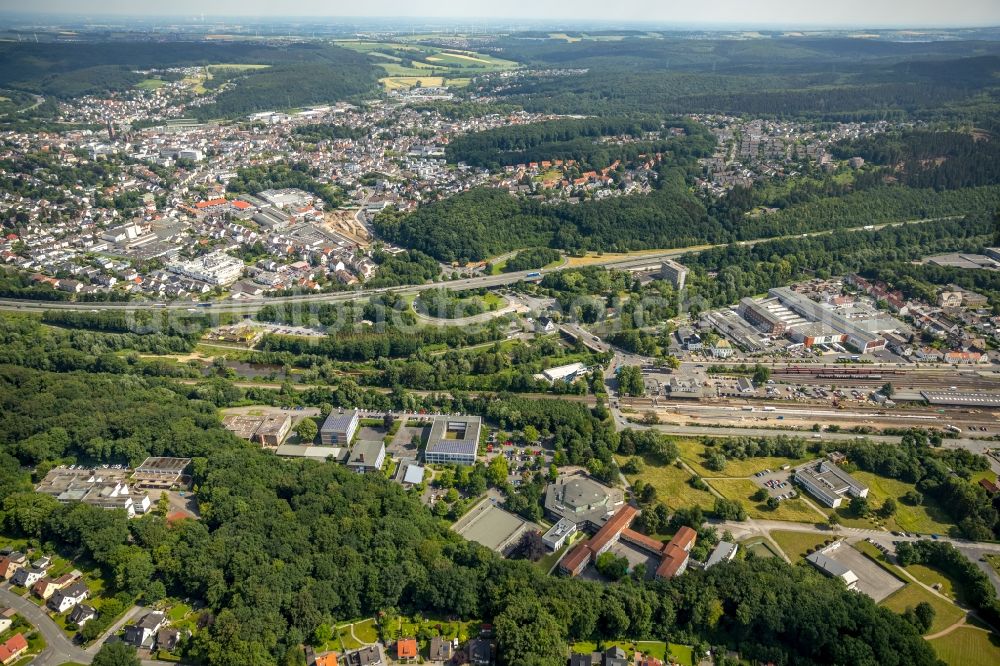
<point x="860" y="335"/>
<point x="828" y="483"/>
<point x="453" y="440"/>
<point x="831" y="567"/>
<point x="215" y="268"/>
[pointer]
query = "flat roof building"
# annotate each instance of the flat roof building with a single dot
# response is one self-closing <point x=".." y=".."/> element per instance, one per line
<point x="453" y="440"/>
<point x="831" y="567"/>
<point x="582" y="500"/>
<point x="315" y="452"/>
<point x="367" y="457"/>
<point x="723" y="552"/>
<point x="160" y="472"/>
<point x="828" y="483"/>
<point x="339" y="427"/>
<point x="556" y="537"/>
<point x="269" y="430"/>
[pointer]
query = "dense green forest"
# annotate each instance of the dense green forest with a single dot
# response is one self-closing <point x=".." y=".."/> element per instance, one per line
<point x="78" y="68"/>
<point x="482" y="223"/>
<point x="724" y="275"/>
<point x="819" y="78"/>
<point x="573" y="139"/>
<point x="939" y="160"/>
<point x="284" y="546"/>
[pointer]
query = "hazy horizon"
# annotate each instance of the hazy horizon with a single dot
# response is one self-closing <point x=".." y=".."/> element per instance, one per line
<point x="758" y="13"/>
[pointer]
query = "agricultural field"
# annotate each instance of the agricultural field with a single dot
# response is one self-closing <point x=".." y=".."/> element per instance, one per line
<point x="968" y="646"/>
<point x="795" y="510"/>
<point x="672" y="485"/>
<point x="945" y="613"/>
<point x="407" y="64"/>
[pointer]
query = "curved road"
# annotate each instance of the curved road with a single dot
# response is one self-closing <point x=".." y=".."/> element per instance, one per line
<point x="58" y="648"/>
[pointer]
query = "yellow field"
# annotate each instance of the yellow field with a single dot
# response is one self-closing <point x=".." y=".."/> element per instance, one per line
<point x="398" y="82"/>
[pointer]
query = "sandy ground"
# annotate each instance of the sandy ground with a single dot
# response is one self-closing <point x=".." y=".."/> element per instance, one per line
<point x="344" y="222"/>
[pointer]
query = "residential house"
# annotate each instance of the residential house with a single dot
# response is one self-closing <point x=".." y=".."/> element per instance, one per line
<point x="167" y="638"/>
<point x="9" y="564"/>
<point x="406" y="648"/>
<point x="27" y="576"/>
<point x="12" y="649"/>
<point x="441" y="649"/>
<point x="370" y="655"/>
<point x="479" y="652"/>
<point x="143" y="632"/>
<point x="367" y="457"/>
<point x="82" y="614"/>
<point x="69" y="597"/>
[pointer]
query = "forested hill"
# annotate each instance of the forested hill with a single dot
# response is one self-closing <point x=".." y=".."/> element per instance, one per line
<point x="482" y="223"/>
<point x="814" y="78"/>
<point x="297" y="74"/>
<point x="285" y="547"/>
<point x="577" y="139"/>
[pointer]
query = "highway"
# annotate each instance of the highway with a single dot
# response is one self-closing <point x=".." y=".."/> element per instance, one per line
<point x="634" y="262"/>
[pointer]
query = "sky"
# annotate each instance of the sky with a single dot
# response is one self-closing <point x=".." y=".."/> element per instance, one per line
<point x="871" y="13"/>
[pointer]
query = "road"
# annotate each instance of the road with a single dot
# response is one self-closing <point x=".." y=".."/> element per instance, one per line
<point x="58" y="648"/>
<point x="483" y="281"/>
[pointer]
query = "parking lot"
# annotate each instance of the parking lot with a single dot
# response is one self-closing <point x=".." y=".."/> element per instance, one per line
<point x="778" y="483"/>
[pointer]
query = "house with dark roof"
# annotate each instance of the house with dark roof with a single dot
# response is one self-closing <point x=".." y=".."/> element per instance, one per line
<point x="143" y="633"/>
<point x="367" y="457"/>
<point x="68" y="597"/>
<point x="82" y="614"/>
<point x="441" y="649"/>
<point x="370" y="655"/>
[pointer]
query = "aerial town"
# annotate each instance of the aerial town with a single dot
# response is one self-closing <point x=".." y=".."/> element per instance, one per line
<point x="525" y="340"/>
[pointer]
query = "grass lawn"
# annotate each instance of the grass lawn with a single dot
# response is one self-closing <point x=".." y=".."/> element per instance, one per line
<point x="994" y="561"/>
<point x="693" y="453"/>
<point x="968" y="646"/>
<point x="672" y="487"/>
<point x="366" y="631"/>
<point x="178" y="612"/>
<point x="345" y="639"/>
<point x="927" y="518"/>
<point x="945" y="614"/>
<point x="930" y="576"/>
<point x="759" y="547"/>
<point x="150" y="84"/>
<point x="547" y="561"/>
<point x="656" y="649"/>
<point x="794" y="510"/>
<point x="795" y="544"/>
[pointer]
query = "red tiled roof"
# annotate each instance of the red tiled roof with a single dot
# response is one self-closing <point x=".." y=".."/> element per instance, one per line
<point x="328" y="659"/>
<point x="210" y="203"/>
<point x="611" y="529"/>
<point x="647" y="542"/>
<point x="242" y="205"/>
<point x="406" y="648"/>
<point x="576" y="557"/>
<point x="13" y="647"/>
<point x="990" y="486"/>
<point x="673" y="558"/>
<point x="684" y="538"/>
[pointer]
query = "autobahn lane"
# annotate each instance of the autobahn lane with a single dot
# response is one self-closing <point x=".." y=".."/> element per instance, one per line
<point x="650" y="259"/>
